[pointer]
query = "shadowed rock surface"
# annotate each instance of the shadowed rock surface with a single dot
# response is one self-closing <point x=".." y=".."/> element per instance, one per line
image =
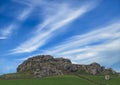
<point x="46" y="65"/>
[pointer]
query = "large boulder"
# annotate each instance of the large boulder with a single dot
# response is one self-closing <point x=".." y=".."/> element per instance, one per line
<point x="46" y="65"/>
<point x="94" y="68"/>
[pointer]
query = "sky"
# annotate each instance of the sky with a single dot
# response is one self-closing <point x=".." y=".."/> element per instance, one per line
<point x="83" y="31"/>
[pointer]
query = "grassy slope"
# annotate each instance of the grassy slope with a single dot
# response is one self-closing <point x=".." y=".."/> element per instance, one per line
<point x="59" y="80"/>
<point x="63" y="80"/>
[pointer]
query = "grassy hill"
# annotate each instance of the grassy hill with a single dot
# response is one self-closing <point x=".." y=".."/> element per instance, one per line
<point x="46" y="70"/>
<point x="64" y="80"/>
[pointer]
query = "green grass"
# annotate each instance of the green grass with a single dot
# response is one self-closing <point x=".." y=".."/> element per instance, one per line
<point x="63" y="80"/>
<point x="59" y="80"/>
<point x="25" y="75"/>
<point x="113" y="80"/>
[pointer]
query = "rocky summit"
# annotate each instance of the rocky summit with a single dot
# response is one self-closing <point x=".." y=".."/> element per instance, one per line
<point x="46" y="65"/>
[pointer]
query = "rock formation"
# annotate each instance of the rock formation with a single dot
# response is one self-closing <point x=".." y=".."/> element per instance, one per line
<point x="46" y="65"/>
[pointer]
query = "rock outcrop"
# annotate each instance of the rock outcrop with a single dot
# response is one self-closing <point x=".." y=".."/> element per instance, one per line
<point x="46" y="65"/>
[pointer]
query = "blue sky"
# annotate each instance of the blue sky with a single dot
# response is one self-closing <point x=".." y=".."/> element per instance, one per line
<point x="84" y="31"/>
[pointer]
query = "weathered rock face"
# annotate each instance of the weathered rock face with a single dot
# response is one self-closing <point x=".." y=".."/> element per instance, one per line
<point x="46" y="65"/>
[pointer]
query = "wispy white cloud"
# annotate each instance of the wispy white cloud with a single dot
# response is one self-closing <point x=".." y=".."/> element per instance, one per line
<point x="7" y="32"/>
<point x="51" y="25"/>
<point x="29" y="2"/>
<point x="101" y="34"/>
<point x="104" y="50"/>
<point x="95" y="46"/>
<point x="30" y="7"/>
<point x="24" y="14"/>
<point x="1" y="37"/>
